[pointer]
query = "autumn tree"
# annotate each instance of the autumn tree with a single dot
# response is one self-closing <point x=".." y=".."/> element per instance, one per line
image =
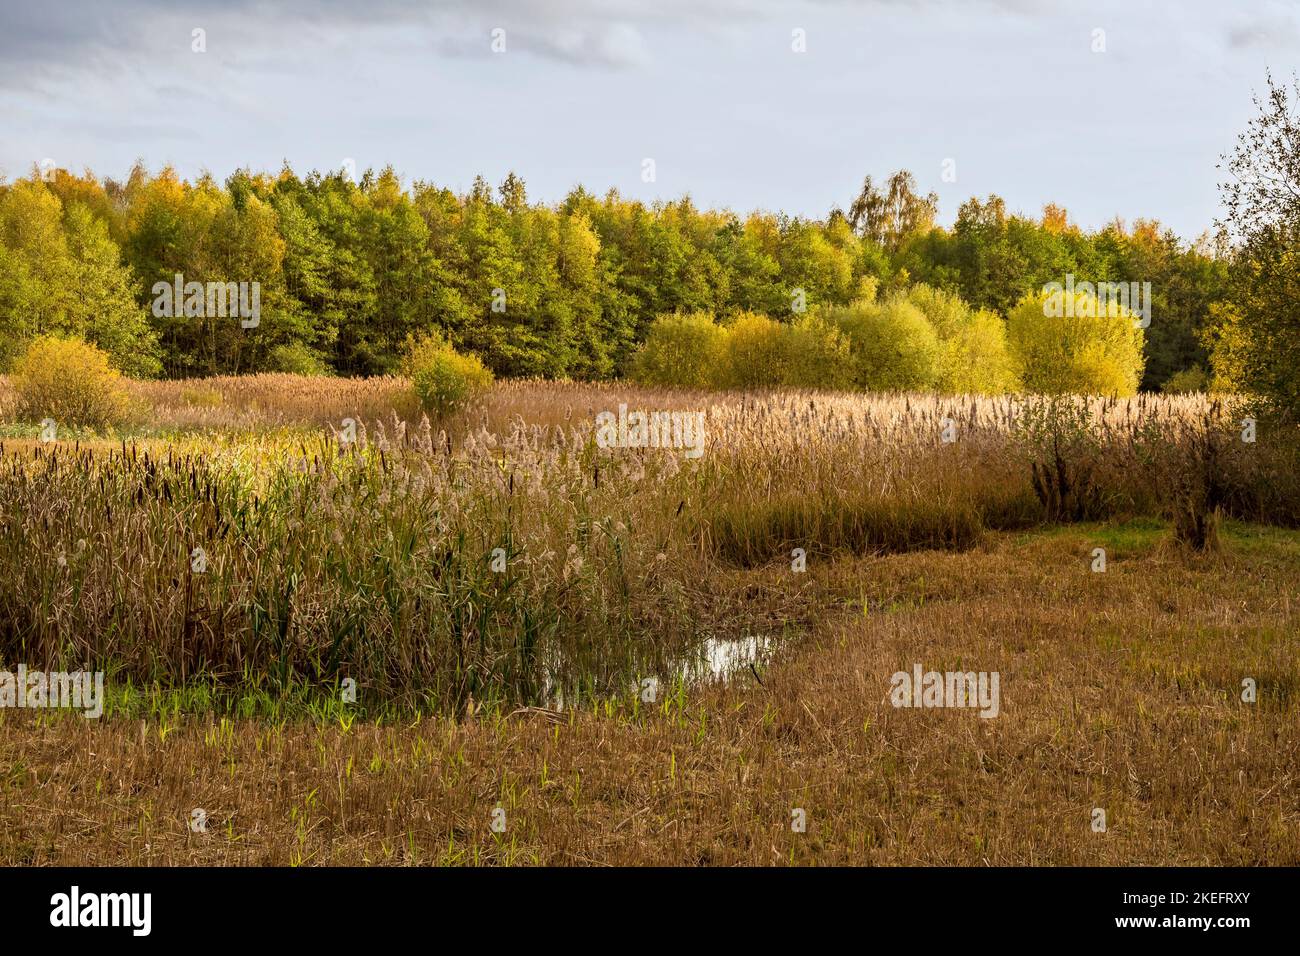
<point x="1261" y="196"/>
<point x="888" y="216"/>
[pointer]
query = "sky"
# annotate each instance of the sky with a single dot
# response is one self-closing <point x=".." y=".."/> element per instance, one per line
<point x="1108" y="108"/>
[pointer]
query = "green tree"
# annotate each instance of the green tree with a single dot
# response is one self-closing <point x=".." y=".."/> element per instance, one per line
<point x="62" y="274"/>
<point x="1262" y="201"/>
<point x="102" y="307"/>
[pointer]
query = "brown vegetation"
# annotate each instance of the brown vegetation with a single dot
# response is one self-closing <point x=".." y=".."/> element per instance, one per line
<point x="371" y="559"/>
<point x="1120" y="691"/>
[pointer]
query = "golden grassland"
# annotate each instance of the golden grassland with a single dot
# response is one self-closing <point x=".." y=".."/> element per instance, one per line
<point x="480" y="689"/>
<point x="1120" y="691"/>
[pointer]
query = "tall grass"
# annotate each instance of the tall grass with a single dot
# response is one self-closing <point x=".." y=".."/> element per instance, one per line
<point x="374" y="558"/>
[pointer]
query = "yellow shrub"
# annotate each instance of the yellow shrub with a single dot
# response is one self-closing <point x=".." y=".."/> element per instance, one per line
<point x="681" y="350"/>
<point x="1187" y="381"/>
<point x="764" y="353"/>
<point x="976" y="358"/>
<point x="817" y="355"/>
<point x="1229" y="340"/>
<point x="69" y="381"/>
<point x="445" y="381"/>
<point x="893" y="345"/>
<point x="1084" y="347"/>
<point x="973" y="353"/>
<point x="756" y="353"/>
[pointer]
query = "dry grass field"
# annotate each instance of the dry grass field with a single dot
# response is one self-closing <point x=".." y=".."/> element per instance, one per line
<point x="520" y="690"/>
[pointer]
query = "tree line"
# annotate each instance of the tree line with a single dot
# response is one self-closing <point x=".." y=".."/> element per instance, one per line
<point x="350" y="272"/>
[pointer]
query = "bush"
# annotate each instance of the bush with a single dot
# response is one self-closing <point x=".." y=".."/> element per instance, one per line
<point x="817" y="355"/>
<point x="764" y="353"/>
<point x="1194" y="379"/>
<point x="947" y="312"/>
<point x="757" y="352"/>
<point x="1227" y="338"/>
<point x="69" y="381"/>
<point x="1197" y="465"/>
<point x="686" y="350"/>
<point x="1064" y="449"/>
<point x="445" y="381"/>
<point x="295" y="359"/>
<point x="893" y="345"/>
<point x="978" y="358"/>
<point x="1094" y="351"/>
<point x="973" y="352"/>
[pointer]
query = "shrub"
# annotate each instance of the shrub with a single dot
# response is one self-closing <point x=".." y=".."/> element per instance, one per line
<point x="1195" y="464"/>
<point x="893" y="345"/>
<point x="1093" y="351"/>
<point x="817" y="355"/>
<point x="1227" y="338"/>
<point x="296" y="359"/>
<point x="683" y="349"/>
<point x="1192" y="379"/>
<point x="757" y="352"/>
<point x="978" y="358"/>
<point x="868" y="286"/>
<point x="69" y="381"/>
<point x="973" y="352"/>
<point x="1061" y="442"/>
<point x="947" y="312"/>
<point x="806" y="353"/>
<point x="445" y="381"/>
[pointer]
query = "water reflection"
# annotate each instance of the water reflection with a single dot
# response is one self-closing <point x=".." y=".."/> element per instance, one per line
<point x="718" y="659"/>
<point x="714" y="660"/>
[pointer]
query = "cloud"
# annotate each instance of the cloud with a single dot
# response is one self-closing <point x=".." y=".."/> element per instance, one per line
<point x="1269" y="33"/>
<point x="40" y="42"/>
<point x="50" y="40"/>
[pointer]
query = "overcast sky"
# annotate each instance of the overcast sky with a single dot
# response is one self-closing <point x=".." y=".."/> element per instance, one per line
<point x="711" y="90"/>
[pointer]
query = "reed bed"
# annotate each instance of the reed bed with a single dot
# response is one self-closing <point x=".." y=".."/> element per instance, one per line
<point x="505" y="555"/>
